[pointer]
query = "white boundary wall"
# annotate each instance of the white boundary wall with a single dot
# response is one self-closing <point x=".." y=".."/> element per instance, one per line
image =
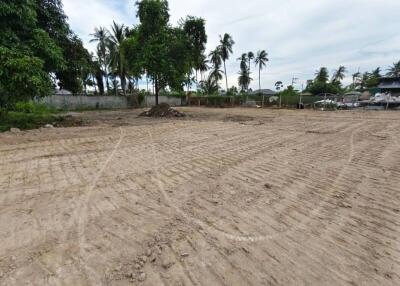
<point x="73" y="102"/>
<point x="150" y="100"/>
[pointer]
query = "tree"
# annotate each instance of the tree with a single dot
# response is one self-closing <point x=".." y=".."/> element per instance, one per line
<point x="261" y="62"/>
<point x="209" y="86"/>
<point x="216" y="60"/>
<point x="22" y="77"/>
<point x="244" y="79"/>
<point x="394" y="70"/>
<point x="216" y="75"/>
<point x="101" y="36"/>
<point x="243" y="62"/>
<point x="202" y="65"/>
<point x="117" y="57"/>
<point x="195" y="31"/>
<point x="322" y="75"/>
<point x="226" y="48"/>
<point x="79" y="60"/>
<point x="250" y="57"/>
<point x="278" y="85"/>
<point x="356" y="79"/>
<point x="244" y="74"/>
<point x="164" y="52"/>
<point x="339" y="75"/>
<point x="36" y="42"/>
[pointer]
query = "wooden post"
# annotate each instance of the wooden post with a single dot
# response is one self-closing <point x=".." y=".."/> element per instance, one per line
<point x="263" y="101"/>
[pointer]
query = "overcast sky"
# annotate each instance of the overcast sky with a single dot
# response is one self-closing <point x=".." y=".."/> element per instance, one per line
<point x="299" y="35"/>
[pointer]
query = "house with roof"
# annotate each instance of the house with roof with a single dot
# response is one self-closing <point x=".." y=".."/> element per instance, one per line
<point x="266" y="92"/>
<point x="390" y="84"/>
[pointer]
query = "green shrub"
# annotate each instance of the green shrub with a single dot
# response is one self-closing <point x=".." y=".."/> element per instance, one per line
<point x="33" y="107"/>
<point x="23" y="120"/>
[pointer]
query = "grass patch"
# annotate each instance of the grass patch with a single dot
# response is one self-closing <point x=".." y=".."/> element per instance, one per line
<point x="26" y="121"/>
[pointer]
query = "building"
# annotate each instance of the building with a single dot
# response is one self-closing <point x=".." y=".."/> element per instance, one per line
<point x="390" y="84"/>
<point x="266" y="92"/>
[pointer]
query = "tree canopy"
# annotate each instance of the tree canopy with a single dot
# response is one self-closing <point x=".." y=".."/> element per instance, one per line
<point x="36" y="43"/>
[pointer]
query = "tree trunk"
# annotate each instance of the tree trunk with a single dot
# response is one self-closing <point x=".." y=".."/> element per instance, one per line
<point x="123" y="84"/>
<point x="226" y="78"/>
<point x="259" y="79"/>
<point x="156" y="89"/>
<point x="106" y="75"/>
<point x="249" y="75"/>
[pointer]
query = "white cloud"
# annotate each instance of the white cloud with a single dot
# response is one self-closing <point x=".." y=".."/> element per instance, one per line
<point x="299" y="35"/>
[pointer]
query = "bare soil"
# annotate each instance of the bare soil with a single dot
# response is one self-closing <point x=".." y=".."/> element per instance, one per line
<point x="220" y="197"/>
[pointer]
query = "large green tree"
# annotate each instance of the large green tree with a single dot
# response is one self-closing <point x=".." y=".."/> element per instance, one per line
<point x="195" y="31"/>
<point x="167" y="54"/>
<point x="37" y="46"/>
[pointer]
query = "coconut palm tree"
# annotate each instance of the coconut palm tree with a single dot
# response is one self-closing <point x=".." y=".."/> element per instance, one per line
<point x="209" y="86"/>
<point x="261" y="61"/>
<point x="250" y="57"/>
<point x="117" y="36"/>
<point x="322" y="75"/>
<point x="226" y="48"/>
<point x="216" y="74"/>
<point x="356" y="79"/>
<point x="394" y="70"/>
<point x="101" y="36"/>
<point x="216" y="61"/>
<point x="339" y="74"/>
<point x="243" y="62"/>
<point x="215" y="58"/>
<point x="202" y="66"/>
<point x="244" y="79"/>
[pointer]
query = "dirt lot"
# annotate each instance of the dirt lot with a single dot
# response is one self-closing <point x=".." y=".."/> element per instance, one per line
<point x="221" y="197"/>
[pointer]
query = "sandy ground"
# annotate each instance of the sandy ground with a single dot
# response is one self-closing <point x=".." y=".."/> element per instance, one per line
<point x="222" y="197"/>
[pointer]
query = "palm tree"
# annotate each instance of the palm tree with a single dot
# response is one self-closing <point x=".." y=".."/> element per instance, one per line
<point x="394" y="70"/>
<point x="339" y="74"/>
<point x="117" y="36"/>
<point x="250" y="57"/>
<point x="202" y="65"/>
<point x="279" y="86"/>
<point x="215" y="58"/>
<point x="244" y="79"/>
<point x="261" y="62"/>
<point x="243" y="62"/>
<point x="209" y="86"/>
<point x="356" y="79"/>
<point x="226" y="48"/>
<point x="216" y="74"/>
<point x="322" y="75"/>
<point x="101" y="36"/>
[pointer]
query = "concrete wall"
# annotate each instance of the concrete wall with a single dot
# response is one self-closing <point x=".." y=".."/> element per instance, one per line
<point x="150" y="100"/>
<point x="73" y="102"/>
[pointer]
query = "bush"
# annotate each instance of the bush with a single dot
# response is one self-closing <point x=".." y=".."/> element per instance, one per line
<point x="23" y="120"/>
<point x="21" y="77"/>
<point x="32" y="107"/>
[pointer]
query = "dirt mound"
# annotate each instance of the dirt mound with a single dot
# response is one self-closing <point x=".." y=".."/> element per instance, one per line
<point x="162" y="110"/>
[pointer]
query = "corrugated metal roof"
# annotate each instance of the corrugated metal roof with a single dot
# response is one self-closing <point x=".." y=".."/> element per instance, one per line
<point x="395" y="85"/>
